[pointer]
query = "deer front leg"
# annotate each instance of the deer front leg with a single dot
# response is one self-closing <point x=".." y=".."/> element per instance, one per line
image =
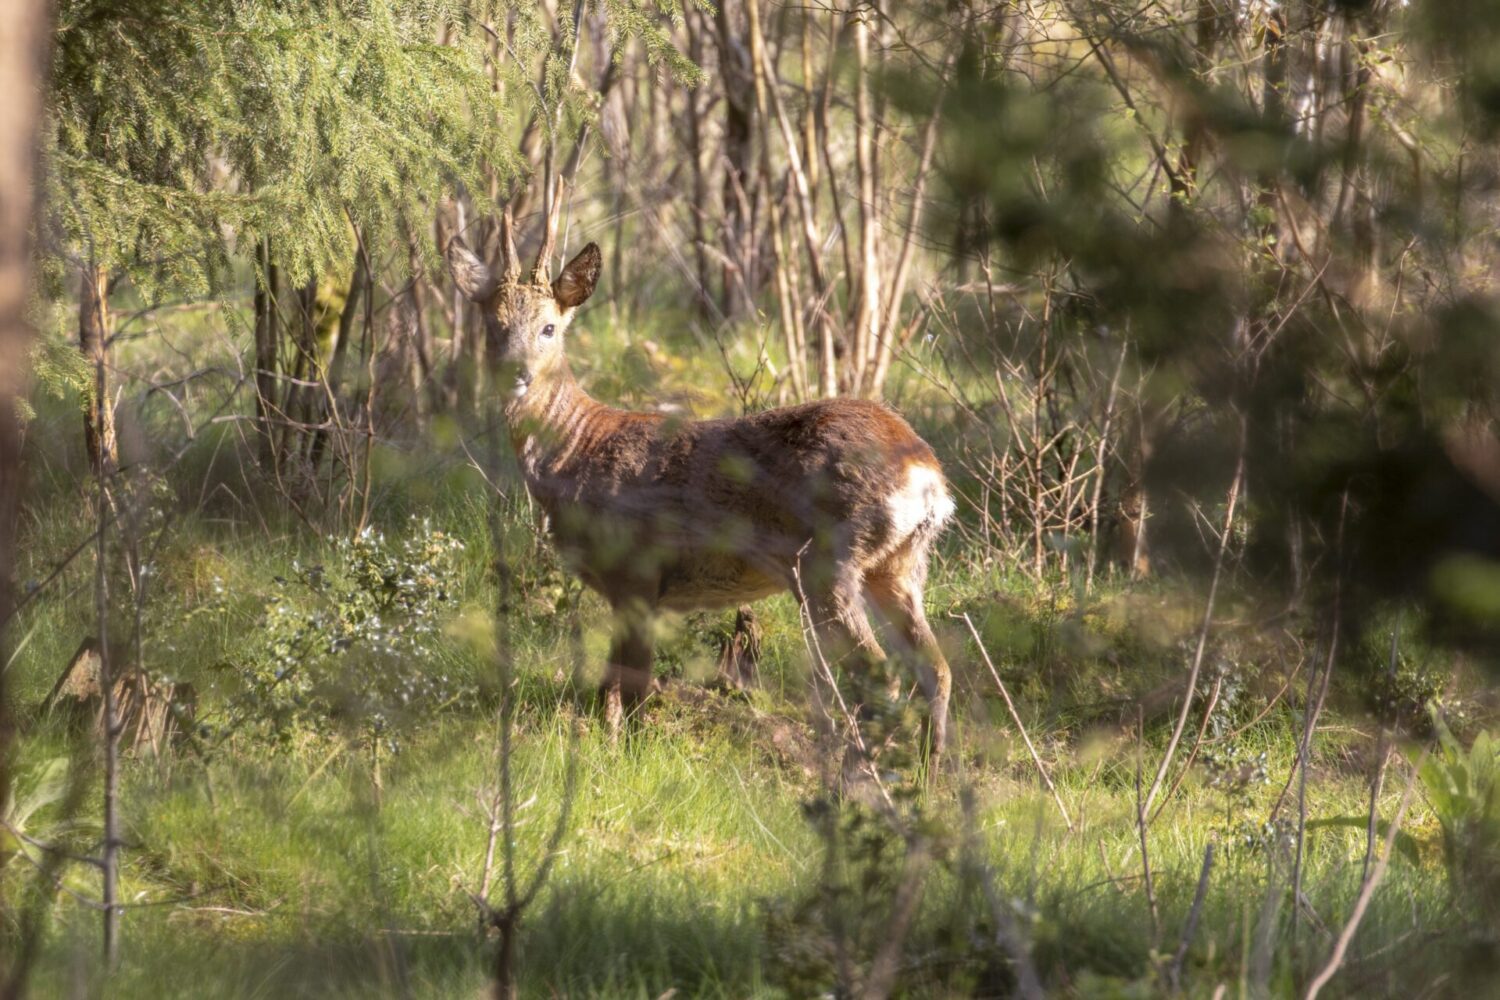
<point x="627" y="677"/>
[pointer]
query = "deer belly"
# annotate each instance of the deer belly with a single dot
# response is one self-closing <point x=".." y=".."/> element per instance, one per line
<point x="714" y="581"/>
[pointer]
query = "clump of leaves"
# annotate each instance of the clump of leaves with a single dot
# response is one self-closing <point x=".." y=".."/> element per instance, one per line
<point x="1463" y="788"/>
<point x="58" y="370"/>
<point x="1404" y="678"/>
<point x="351" y="640"/>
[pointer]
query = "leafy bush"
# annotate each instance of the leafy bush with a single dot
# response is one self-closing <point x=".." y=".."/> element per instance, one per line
<point x="1402" y="676"/>
<point x="352" y="640"/>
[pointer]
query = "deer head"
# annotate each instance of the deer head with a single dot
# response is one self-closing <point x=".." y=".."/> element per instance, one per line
<point x="526" y="319"/>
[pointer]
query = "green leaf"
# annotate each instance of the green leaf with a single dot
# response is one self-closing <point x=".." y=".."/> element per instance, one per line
<point x="1406" y="844"/>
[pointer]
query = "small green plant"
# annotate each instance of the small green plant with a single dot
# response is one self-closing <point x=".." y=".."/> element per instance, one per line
<point x="1463" y="788"/>
<point x="1403" y="676"/>
<point x="1236" y="774"/>
<point x="351" y="640"/>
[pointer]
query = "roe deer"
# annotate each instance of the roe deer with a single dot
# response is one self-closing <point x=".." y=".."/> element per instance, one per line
<point x="838" y="500"/>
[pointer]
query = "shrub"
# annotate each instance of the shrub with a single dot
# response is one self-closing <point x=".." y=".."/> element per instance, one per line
<point x="351" y="640"/>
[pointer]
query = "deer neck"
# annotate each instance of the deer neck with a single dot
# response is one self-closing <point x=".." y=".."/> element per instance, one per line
<point x="546" y="424"/>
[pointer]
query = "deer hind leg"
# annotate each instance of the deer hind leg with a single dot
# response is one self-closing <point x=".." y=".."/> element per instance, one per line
<point x="896" y="590"/>
<point x="627" y="676"/>
<point x="842" y="631"/>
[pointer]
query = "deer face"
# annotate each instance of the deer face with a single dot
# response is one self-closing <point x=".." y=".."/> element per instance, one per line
<point x="526" y="319"/>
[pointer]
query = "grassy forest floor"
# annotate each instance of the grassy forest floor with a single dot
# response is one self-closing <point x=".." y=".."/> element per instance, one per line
<point x="280" y="853"/>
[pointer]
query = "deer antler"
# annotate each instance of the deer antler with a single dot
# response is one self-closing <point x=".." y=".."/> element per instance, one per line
<point x="540" y="271"/>
<point x="510" y="261"/>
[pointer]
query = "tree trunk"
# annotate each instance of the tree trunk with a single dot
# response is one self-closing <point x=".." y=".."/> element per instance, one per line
<point x="739" y="98"/>
<point x="699" y="207"/>
<point x="333" y="375"/>
<point x="265" y="351"/>
<point x="855" y="377"/>
<point x="24" y="38"/>
<point x="299" y="397"/>
<point x="93" y="341"/>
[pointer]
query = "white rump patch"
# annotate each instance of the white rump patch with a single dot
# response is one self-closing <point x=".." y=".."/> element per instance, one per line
<point x="921" y="504"/>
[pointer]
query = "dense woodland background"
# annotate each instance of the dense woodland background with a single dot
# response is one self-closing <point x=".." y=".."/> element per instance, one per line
<point x="1196" y="301"/>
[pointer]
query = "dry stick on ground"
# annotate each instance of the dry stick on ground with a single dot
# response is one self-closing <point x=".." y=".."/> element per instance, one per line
<point x="1016" y="718"/>
<point x="1312" y="710"/>
<point x="1303" y="750"/>
<point x="823" y="673"/>
<point x="1208" y="617"/>
<point x="1008" y="935"/>
<point x="1367" y="890"/>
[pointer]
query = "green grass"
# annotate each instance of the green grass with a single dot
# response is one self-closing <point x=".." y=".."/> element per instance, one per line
<point x="316" y="868"/>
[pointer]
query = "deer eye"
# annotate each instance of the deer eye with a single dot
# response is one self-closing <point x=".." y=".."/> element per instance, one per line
<point x="548" y="330"/>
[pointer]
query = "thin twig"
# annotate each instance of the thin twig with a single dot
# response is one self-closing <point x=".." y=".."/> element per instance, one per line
<point x="1015" y="717"/>
<point x="1208" y="617"/>
<point x="1191" y="927"/>
<point x="1140" y="827"/>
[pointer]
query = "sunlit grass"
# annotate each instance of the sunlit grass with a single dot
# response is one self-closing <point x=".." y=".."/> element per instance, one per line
<point x="320" y="867"/>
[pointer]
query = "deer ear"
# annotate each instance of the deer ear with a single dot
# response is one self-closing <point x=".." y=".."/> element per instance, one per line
<point x="577" y="281"/>
<point x="470" y="274"/>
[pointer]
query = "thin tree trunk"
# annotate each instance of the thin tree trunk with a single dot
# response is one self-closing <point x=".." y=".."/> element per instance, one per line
<point x="767" y="96"/>
<point x="699" y="207"/>
<point x="93" y="341"/>
<point x="423" y="331"/>
<point x="739" y="98"/>
<point x="110" y="860"/>
<point x="265" y="351"/>
<point x="867" y="315"/>
<point x="299" y="397"/>
<point x="836" y="32"/>
<point x="886" y="348"/>
<point x="24" y="40"/>
<point x="779" y="249"/>
<point x="333" y="375"/>
<point x="809" y="107"/>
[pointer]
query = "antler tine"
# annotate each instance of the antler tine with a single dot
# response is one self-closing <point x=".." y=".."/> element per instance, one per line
<point x="510" y="261"/>
<point x="540" y="271"/>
